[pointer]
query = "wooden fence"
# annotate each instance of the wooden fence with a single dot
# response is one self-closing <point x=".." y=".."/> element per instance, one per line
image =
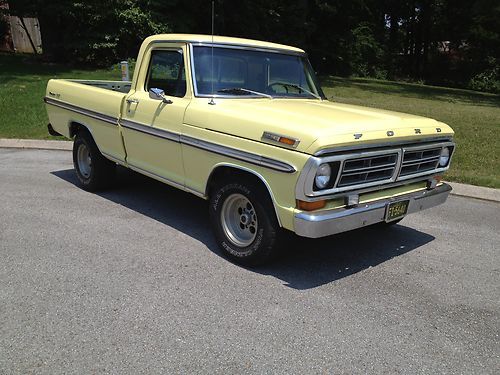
<point x="25" y="35"/>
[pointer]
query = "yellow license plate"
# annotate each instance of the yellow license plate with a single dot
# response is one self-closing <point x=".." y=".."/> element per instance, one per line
<point x="396" y="210"/>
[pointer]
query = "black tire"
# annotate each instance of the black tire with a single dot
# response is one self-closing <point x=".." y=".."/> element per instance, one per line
<point x="263" y="247"/>
<point x="100" y="172"/>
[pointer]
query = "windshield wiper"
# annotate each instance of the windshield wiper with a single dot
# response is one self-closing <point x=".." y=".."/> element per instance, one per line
<point x="300" y="88"/>
<point x="241" y="89"/>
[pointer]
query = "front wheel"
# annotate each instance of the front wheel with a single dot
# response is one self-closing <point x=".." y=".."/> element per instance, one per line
<point x="244" y="222"/>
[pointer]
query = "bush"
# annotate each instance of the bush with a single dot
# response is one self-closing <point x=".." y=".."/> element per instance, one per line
<point x="487" y="81"/>
<point x="365" y="53"/>
<point x="95" y="32"/>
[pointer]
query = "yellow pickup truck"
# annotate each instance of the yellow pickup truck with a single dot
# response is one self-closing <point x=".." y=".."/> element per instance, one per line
<point x="245" y="125"/>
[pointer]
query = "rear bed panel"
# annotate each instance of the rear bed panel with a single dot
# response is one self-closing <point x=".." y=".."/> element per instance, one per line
<point x="93" y="106"/>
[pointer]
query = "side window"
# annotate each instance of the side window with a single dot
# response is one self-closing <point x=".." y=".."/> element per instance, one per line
<point x="166" y="72"/>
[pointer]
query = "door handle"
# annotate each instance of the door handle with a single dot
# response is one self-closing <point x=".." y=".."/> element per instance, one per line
<point x="132" y="101"/>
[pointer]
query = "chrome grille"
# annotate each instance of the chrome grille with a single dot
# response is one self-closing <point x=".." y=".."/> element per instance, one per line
<point x="367" y="169"/>
<point x="418" y="161"/>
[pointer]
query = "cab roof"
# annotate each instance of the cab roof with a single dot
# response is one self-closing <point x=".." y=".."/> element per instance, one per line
<point x="199" y="38"/>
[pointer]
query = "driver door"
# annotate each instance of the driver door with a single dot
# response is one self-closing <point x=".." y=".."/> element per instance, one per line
<point x="151" y="126"/>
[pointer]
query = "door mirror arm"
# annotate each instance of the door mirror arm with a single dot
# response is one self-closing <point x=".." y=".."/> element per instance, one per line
<point x="159" y="94"/>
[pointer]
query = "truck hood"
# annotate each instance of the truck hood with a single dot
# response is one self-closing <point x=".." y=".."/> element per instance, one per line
<point x="316" y="124"/>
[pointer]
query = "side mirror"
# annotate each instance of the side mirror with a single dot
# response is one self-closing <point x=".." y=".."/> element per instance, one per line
<point x="159" y="94"/>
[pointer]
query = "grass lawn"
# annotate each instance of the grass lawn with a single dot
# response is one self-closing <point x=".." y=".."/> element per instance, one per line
<point x="22" y="88"/>
<point x="474" y="116"/>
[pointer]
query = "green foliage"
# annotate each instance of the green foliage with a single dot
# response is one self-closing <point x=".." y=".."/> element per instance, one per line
<point x="95" y="32"/>
<point x="114" y="34"/>
<point x="366" y="53"/>
<point x="447" y="42"/>
<point x="134" y="25"/>
<point x="488" y="81"/>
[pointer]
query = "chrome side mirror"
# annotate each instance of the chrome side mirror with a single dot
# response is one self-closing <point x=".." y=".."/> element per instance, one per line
<point x="159" y="94"/>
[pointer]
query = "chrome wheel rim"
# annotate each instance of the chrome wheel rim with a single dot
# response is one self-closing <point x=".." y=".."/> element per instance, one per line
<point x="84" y="160"/>
<point x="239" y="220"/>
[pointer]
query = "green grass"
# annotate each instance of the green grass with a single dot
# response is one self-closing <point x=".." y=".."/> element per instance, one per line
<point x="474" y="116"/>
<point x="22" y="87"/>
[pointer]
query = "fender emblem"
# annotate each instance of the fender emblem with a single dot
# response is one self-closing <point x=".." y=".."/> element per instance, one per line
<point x="390" y="133"/>
<point x="358" y="135"/>
<point x="418" y="131"/>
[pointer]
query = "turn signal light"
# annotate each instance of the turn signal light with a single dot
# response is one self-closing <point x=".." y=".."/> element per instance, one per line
<point x="310" y="206"/>
<point x="280" y="139"/>
<point x="287" y="141"/>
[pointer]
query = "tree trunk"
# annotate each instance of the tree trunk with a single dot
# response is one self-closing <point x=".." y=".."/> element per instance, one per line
<point x="426" y="40"/>
<point x="50" y="31"/>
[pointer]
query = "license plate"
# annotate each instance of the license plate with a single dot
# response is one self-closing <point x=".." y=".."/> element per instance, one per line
<point x="396" y="210"/>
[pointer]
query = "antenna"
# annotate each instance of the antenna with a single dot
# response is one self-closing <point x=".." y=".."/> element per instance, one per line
<point x="212" y="102"/>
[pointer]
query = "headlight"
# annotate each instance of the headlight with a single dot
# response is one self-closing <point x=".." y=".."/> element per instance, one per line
<point x="444" y="158"/>
<point x="323" y="175"/>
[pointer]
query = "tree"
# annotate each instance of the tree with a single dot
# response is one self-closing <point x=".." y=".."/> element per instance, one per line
<point x="438" y="41"/>
<point x="99" y="32"/>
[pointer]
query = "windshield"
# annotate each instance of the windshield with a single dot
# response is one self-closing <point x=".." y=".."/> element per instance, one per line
<point x="247" y="72"/>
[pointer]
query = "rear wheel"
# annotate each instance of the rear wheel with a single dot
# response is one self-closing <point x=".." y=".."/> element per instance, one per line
<point x="244" y="222"/>
<point x="94" y="171"/>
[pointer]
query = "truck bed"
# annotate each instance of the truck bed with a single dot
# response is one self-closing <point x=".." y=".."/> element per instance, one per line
<point x="94" y="104"/>
<point x="119" y="86"/>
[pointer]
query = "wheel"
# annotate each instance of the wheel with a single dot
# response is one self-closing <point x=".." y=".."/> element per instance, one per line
<point x="244" y="222"/>
<point x="94" y="171"/>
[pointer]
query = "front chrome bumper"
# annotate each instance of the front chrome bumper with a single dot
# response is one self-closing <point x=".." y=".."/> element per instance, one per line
<point x="324" y="223"/>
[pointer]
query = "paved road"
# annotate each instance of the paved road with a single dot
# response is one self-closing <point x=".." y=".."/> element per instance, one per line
<point x="131" y="281"/>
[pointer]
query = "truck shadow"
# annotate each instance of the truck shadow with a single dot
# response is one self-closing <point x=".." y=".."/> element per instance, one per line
<point x="304" y="263"/>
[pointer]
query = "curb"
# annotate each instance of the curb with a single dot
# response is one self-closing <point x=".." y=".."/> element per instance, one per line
<point x="36" y="144"/>
<point x="461" y="190"/>
<point x="477" y="192"/>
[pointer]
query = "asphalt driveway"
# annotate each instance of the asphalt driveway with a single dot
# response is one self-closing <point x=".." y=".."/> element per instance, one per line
<point x="131" y="281"/>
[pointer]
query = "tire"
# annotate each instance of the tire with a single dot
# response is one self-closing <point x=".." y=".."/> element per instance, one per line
<point x="237" y="207"/>
<point x="93" y="171"/>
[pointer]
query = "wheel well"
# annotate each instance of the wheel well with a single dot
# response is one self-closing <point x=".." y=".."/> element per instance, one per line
<point x="225" y="172"/>
<point x="75" y="127"/>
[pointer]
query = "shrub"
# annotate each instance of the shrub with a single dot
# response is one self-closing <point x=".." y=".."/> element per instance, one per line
<point x="487" y="81"/>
